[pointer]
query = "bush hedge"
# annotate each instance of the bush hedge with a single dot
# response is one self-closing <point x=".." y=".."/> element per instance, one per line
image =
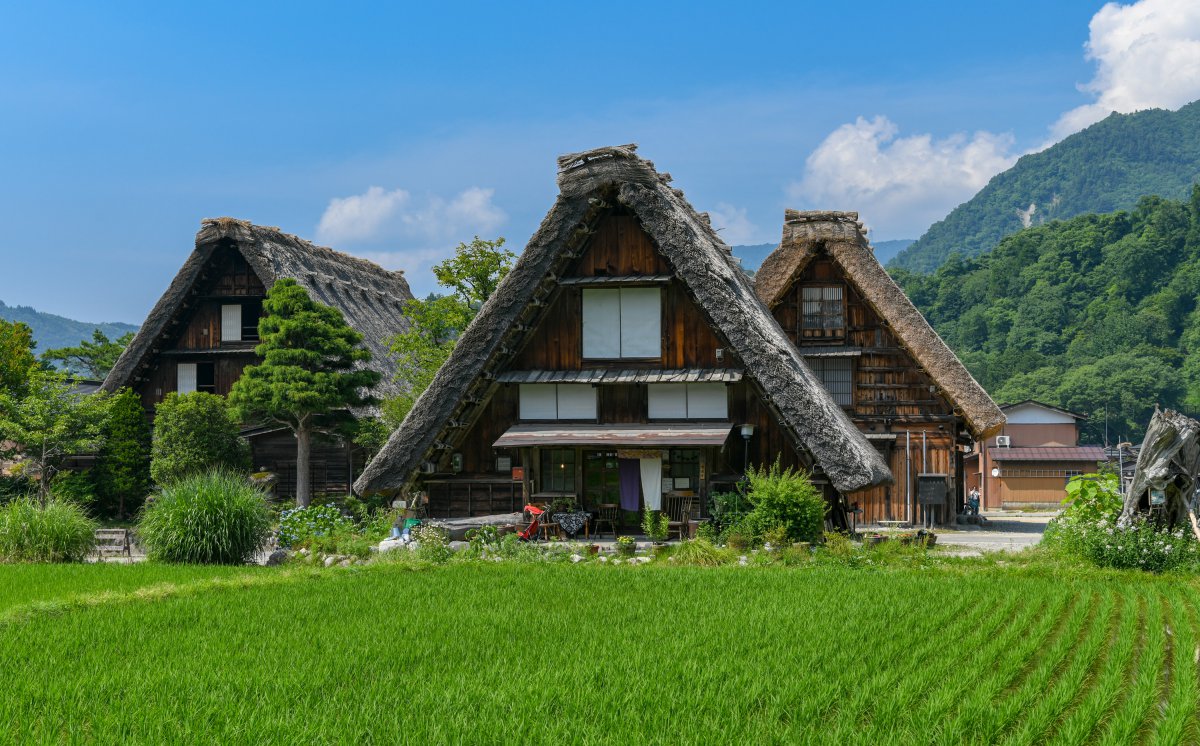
<point x="55" y="531"/>
<point x="212" y="518"/>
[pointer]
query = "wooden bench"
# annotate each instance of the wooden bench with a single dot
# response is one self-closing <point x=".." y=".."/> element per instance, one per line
<point x="113" y="541"/>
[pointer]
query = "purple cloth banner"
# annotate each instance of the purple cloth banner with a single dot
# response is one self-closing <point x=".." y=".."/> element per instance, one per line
<point x="630" y="472"/>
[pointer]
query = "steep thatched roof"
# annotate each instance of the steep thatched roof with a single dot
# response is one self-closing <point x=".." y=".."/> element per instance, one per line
<point x="370" y="297"/>
<point x="589" y="183"/>
<point x="840" y="235"/>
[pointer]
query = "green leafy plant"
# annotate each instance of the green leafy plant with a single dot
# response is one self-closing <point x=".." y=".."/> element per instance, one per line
<point x="195" y="433"/>
<point x="50" y="531"/>
<point x="432" y="544"/>
<point x="212" y="518"/>
<point x="707" y="530"/>
<point x="655" y="524"/>
<point x="298" y="527"/>
<point x="787" y="498"/>
<point x="75" y="487"/>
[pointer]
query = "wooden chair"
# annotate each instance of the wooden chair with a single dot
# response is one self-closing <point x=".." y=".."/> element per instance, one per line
<point x="548" y="526"/>
<point x="679" y="512"/>
<point x="609" y="513"/>
<point x="113" y="541"/>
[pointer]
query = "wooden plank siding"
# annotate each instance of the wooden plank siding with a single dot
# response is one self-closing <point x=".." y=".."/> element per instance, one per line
<point x="891" y="394"/>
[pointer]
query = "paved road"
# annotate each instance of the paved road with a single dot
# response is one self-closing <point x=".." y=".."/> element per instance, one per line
<point x="1012" y="531"/>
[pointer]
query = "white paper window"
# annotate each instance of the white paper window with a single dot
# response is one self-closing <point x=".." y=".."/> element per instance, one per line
<point x="548" y="401"/>
<point x="667" y="401"/>
<point x="707" y="401"/>
<point x="641" y="321"/>
<point x="576" y="401"/>
<point x="622" y="323"/>
<point x="185" y="378"/>
<point x="687" y="401"/>
<point x="539" y="401"/>
<point x="602" y="324"/>
<point x="231" y="323"/>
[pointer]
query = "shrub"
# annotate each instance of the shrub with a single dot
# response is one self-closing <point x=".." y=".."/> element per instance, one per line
<point x="122" y="473"/>
<point x="195" y="433"/>
<point x="55" y="531"/>
<point x="212" y="518"/>
<point x="432" y="544"/>
<point x="1139" y="546"/>
<point x="75" y="487"/>
<point x="701" y="552"/>
<point x="786" y="497"/>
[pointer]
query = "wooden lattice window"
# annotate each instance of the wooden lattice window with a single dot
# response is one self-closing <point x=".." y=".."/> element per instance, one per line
<point x="837" y="374"/>
<point x="823" y="311"/>
<point x="558" y="470"/>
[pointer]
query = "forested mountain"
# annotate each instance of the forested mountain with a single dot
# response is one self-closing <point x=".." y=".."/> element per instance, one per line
<point x="753" y="255"/>
<point x="1106" y="167"/>
<point x="1093" y="313"/>
<point x="51" y="331"/>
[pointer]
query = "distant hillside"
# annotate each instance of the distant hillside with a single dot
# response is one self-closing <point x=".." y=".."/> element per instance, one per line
<point x="1098" y="314"/>
<point x="52" y="331"/>
<point x="1106" y="167"/>
<point x="752" y="256"/>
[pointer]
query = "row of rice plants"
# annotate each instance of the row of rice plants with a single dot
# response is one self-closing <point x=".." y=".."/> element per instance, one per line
<point x="549" y="653"/>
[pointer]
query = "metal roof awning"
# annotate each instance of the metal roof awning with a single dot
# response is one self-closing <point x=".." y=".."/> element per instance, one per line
<point x="560" y="434"/>
<point x="830" y="351"/>
<point x="1049" y="453"/>
<point x="628" y="375"/>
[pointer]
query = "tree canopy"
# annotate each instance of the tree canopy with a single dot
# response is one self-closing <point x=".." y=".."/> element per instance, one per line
<point x="90" y="359"/>
<point x="311" y="374"/>
<point x="436" y="322"/>
<point x="1097" y="314"/>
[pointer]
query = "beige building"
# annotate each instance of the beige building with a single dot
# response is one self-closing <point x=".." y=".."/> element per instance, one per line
<point x="1028" y="464"/>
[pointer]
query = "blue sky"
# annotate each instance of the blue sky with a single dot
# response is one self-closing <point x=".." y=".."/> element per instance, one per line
<point x="394" y="132"/>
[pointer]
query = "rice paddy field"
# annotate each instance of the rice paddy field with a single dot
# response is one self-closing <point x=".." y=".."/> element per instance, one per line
<point x="549" y="653"/>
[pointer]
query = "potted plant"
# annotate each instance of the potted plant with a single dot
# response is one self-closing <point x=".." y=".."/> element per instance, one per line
<point x="655" y="524"/>
<point x="626" y="545"/>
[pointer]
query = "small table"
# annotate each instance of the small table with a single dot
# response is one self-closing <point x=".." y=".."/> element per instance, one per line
<point x="571" y="522"/>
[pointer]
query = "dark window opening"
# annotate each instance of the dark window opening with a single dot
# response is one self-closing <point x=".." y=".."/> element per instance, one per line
<point x="558" y="470"/>
<point x="251" y="313"/>
<point x="206" y="377"/>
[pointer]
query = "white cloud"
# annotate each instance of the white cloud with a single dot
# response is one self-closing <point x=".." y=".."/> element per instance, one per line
<point x="733" y="225"/>
<point x="378" y="215"/>
<point x="898" y="184"/>
<point x="1147" y="56"/>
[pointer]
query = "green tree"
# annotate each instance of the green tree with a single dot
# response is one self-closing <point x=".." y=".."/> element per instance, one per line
<point x="436" y="322"/>
<point x="195" y="433"/>
<point x="16" y="355"/>
<point x="122" y="472"/>
<point x="311" y="374"/>
<point x="92" y="359"/>
<point x="48" y="422"/>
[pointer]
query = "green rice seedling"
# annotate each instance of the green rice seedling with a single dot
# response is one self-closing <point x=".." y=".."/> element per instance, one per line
<point x="1105" y="691"/>
<point x="1178" y="722"/>
<point x="212" y="518"/>
<point x="996" y="658"/>
<point x="1045" y="700"/>
<point x="54" y="531"/>
<point x="1144" y="688"/>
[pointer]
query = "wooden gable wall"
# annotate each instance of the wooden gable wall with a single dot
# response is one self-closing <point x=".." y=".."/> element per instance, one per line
<point x="914" y="428"/>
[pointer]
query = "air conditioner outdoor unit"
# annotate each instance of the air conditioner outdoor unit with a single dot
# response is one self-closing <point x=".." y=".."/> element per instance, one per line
<point x="1003" y="441"/>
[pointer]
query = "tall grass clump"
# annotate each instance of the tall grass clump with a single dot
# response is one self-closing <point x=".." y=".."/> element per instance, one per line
<point x="54" y="531"/>
<point x="212" y="518"/>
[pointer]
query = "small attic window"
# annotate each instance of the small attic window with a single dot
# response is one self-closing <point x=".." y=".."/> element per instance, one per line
<point x="823" y="311"/>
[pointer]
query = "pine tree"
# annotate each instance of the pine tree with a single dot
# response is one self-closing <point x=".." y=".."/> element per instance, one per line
<point x="122" y="472"/>
<point x="310" y="376"/>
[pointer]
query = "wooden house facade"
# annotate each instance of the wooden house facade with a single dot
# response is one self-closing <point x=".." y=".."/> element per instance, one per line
<point x="624" y="358"/>
<point x="880" y="360"/>
<point x="202" y="332"/>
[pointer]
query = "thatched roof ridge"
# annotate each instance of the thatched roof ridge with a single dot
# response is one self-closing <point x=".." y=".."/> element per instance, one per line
<point x="842" y="236"/>
<point x="589" y="183"/>
<point x="370" y="297"/>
